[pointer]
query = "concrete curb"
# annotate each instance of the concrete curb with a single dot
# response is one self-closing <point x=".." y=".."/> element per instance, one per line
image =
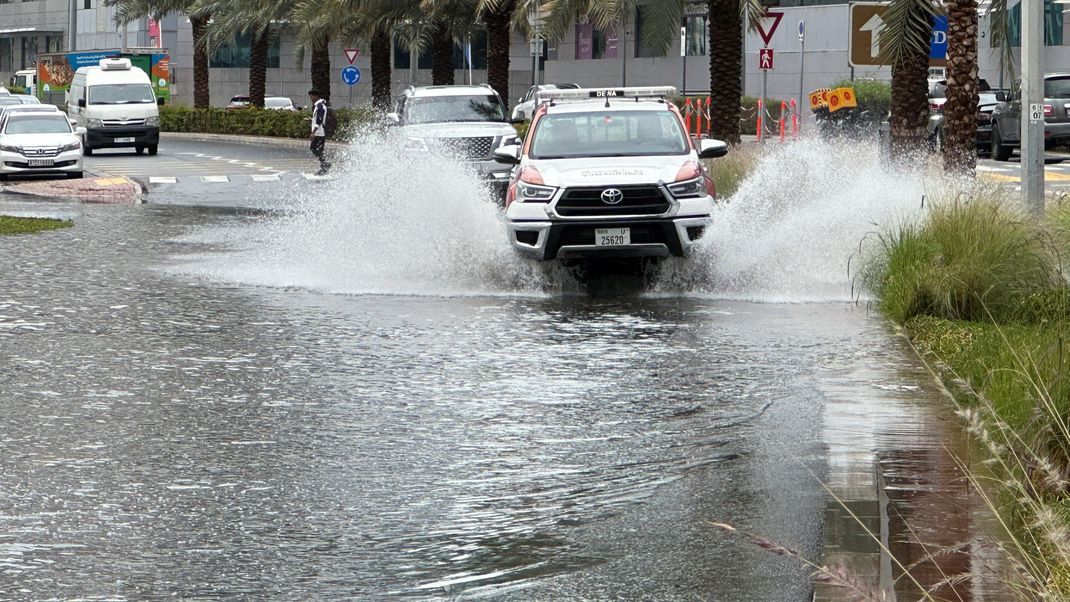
<point x="257" y="140"/>
<point x="93" y="190"/>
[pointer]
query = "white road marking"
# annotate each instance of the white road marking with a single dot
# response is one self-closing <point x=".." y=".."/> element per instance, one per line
<point x="266" y="178"/>
<point x="163" y="180"/>
<point x="214" y="179"/>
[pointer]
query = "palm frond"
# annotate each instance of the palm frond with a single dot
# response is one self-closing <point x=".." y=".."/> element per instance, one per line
<point x="1000" y="28"/>
<point x="907" y="29"/>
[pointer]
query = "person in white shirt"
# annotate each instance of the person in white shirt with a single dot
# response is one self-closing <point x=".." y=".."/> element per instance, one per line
<point x="318" y="137"/>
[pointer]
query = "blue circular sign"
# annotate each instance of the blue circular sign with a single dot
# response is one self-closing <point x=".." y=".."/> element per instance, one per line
<point x="350" y="75"/>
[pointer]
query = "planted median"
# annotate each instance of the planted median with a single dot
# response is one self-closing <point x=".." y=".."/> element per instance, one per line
<point x="258" y="122"/>
<point x="25" y="225"/>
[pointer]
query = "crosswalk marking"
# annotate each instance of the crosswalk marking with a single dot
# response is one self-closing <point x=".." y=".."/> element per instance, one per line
<point x="163" y="180"/>
<point x="266" y="178"/>
<point x="215" y="179"/>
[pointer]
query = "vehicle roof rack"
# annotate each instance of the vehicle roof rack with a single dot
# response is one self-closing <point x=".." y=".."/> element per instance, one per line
<point x="648" y="92"/>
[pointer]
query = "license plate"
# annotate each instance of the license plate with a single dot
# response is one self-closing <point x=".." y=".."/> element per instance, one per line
<point x="40" y="162"/>
<point x="612" y="237"/>
<point x="121" y="140"/>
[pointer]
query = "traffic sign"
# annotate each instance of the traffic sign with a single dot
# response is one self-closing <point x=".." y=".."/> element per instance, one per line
<point x="1036" y="112"/>
<point x="802" y="29"/>
<point x="767" y="34"/>
<point x="864" y="42"/>
<point x="352" y="54"/>
<point x="765" y="59"/>
<point x="350" y="75"/>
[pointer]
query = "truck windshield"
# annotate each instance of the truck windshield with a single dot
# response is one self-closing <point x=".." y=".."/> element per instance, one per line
<point x="120" y="94"/>
<point x="38" y="124"/>
<point x="608" y="134"/>
<point x="437" y="109"/>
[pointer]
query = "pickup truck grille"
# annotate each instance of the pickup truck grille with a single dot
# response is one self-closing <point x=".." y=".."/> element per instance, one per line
<point x="469" y="148"/>
<point x="637" y="200"/>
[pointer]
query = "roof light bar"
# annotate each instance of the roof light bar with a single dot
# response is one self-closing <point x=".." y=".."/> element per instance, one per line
<point x="605" y="93"/>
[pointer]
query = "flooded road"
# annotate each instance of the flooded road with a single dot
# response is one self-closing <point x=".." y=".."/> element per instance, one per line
<point x="167" y="435"/>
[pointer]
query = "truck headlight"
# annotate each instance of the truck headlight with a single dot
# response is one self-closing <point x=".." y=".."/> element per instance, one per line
<point x="94" y="123"/>
<point x="688" y="189"/>
<point x="152" y="121"/>
<point x="534" y="192"/>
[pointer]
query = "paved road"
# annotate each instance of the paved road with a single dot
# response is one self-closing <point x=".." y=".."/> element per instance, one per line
<point x="1056" y="170"/>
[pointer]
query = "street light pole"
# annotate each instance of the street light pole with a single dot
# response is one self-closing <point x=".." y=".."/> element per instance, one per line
<point x="72" y="27"/>
<point x="1032" y="113"/>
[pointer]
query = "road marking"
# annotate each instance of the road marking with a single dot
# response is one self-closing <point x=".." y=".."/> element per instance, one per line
<point x="163" y="180"/>
<point x="266" y="177"/>
<point x="214" y="179"/>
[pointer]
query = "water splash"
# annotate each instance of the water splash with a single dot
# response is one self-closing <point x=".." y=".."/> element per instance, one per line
<point x="790" y="230"/>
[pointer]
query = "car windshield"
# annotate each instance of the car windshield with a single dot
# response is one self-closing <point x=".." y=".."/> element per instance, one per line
<point x="277" y="102"/>
<point x="608" y="134"/>
<point x="38" y="124"/>
<point x="1058" y="87"/>
<point x="120" y="94"/>
<point x="28" y="100"/>
<point x="437" y="109"/>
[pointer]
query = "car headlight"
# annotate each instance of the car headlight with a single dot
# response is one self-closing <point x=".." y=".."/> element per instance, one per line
<point x="9" y="149"/>
<point x="509" y="140"/>
<point x="534" y="192"/>
<point x="94" y="123"/>
<point x="72" y="146"/>
<point x="154" y="120"/>
<point x="688" y="189"/>
<point x="416" y="144"/>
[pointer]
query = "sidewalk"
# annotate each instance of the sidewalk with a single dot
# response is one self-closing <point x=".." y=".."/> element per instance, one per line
<point x="258" y="140"/>
<point x="106" y="190"/>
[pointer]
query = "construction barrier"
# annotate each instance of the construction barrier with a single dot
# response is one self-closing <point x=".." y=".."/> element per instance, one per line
<point x="794" y="119"/>
<point x="781" y="122"/>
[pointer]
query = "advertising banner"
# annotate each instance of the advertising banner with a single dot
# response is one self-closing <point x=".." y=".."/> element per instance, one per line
<point x="56" y="71"/>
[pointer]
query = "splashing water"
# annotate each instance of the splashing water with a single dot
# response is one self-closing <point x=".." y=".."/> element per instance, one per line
<point x="400" y="222"/>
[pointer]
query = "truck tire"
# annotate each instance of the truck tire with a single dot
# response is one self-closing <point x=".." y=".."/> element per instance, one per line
<point x="1000" y="152"/>
<point x="153" y="150"/>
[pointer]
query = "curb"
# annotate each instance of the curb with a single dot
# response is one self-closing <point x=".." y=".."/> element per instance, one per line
<point x="81" y="194"/>
<point x="257" y="140"/>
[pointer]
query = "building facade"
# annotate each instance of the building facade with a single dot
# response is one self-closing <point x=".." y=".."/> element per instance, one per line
<point x="585" y="55"/>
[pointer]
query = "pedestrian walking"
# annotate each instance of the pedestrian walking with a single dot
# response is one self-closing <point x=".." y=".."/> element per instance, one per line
<point x="318" y="137"/>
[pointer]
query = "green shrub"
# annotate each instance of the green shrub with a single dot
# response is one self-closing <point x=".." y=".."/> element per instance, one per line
<point x="258" y="122"/>
<point x="23" y="225"/>
<point x="728" y="172"/>
<point x="971" y="260"/>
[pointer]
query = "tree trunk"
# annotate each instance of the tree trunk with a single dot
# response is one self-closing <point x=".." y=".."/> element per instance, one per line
<point x="498" y="41"/>
<point x="910" y="99"/>
<point x="726" y="65"/>
<point x="258" y="56"/>
<point x="200" y="62"/>
<point x="960" y="110"/>
<point x="442" y="55"/>
<point x="381" y="70"/>
<point x="321" y="68"/>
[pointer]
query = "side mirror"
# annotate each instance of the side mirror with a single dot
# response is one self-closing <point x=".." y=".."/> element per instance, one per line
<point x="1002" y="96"/>
<point x="518" y="118"/>
<point x="81" y="102"/>
<point x="711" y="149"/>
<point x="80" y="131"/>
<point x="159" y="101"/>
<point x="393" y="118"/>
<point x="508" y="154"/>
<point x="73" y="123"/>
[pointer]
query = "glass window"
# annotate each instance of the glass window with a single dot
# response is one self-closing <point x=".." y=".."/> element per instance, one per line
<point x="1053" y="24"/>
<point x="438" y="109"/>
<point x="594" y="43"/>
<point x="237" y="54"/>
<point x="54" y="43"/>
<point x="642" y="20"/>
<point x="696" y="35"/>
<point x="121" y="94"/>
<point x="1057" y="87"/>
<point x="29" y="52"/>
<point x="479" y="54"/>
<point x="608" y="134"/>
<point x="7" y="54"/>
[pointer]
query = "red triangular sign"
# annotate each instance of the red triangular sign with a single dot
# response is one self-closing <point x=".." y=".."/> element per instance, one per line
<point x="767" y="36"/>
<point x="351" y="54"/>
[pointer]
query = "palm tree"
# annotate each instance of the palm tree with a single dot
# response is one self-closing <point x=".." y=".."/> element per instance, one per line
<point x="128" y="11"/>
<point x="498" y="16"/>
<point x="960" y="109"/>
<point x="254" y="19"/>
<point x="905" y="44"/>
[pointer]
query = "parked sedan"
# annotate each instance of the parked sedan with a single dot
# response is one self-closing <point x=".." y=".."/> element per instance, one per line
<point x="39" y="143"/>
<point x="986" y="101"/>
<point x="280" y="103"/>
<point x="27" y="99"/>
<point x="1007" y="117"/>
<point x="526" y="107"/>
<point x="238" y="102"/>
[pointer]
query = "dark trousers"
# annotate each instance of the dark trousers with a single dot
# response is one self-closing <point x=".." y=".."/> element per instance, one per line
<point x="318" y="148"/>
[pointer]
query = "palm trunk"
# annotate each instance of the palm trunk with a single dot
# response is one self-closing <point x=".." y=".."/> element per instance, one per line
<point x="960" y="110"/>
<point x="498" y="42"/>
<point x="442" y="55"/>
<point x="200" y="62"/>
<point x="910" y="97"/>
<point x="258" y="55"/>
<point x="321" y="68"/>
<point x="726" y="64"/>
<point x="381" y="70"/>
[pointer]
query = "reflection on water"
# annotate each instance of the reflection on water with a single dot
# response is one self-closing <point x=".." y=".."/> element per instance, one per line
<point x="166" y="436"/>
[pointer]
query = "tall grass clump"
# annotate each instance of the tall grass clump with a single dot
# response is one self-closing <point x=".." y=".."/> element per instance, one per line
<point x="729" y="171"/>
<point x="969" y="259"/>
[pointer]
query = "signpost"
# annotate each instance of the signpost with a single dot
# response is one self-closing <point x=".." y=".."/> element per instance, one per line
<point x="1032" y="150"/>
<point x="352" y="54"/>
<point x="350" y="76"/>
<point x="802" y="63"/>
<point x="765" y="62"/>
<point x="864" y="42"/>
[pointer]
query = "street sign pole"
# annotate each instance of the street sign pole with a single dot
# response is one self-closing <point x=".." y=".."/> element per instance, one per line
<point x="802" y="63"/>
<point x="1032" y="113"/>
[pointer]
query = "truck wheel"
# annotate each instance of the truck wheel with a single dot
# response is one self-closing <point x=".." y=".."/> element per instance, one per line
<point x="153" y="150"/>
<point x="999" y="151"/>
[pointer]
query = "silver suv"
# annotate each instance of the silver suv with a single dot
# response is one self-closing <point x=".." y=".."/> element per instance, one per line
<point x="608" y="173"/>
<point x="1007" y="117"/>
<point x="465" y="122"/>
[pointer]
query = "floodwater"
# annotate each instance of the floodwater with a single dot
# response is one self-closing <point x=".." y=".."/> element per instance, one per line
<point x="178" y="423"/>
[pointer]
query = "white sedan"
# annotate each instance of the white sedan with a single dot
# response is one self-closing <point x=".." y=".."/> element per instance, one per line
<point x="39" y="143"/>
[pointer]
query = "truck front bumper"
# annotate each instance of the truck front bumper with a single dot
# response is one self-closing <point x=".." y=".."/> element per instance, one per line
<point x="664" y="237"/>
<point x="120" y="137"/>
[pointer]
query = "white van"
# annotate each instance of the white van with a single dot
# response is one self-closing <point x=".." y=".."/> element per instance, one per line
<point x="27" y="78"/>
<point x="115" y="103"/>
